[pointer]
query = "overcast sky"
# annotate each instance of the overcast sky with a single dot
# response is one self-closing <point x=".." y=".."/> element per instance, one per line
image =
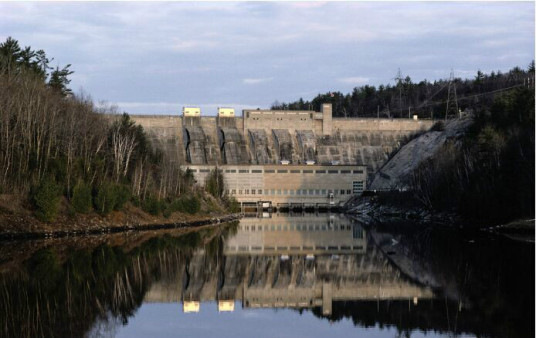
<point x="155" y="58"/>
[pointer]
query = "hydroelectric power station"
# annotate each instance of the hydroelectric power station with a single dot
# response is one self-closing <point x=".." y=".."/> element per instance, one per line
<point x="281" y="158"/>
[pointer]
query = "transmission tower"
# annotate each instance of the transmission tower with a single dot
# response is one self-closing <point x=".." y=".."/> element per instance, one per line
<point x="452" y="98"/>
<point x="398" y="80"/>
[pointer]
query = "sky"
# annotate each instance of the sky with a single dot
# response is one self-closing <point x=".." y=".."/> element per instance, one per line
<point x="156" y="57"/>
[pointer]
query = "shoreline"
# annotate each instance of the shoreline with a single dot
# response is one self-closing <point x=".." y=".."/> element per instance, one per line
<point x="108" y="229"/>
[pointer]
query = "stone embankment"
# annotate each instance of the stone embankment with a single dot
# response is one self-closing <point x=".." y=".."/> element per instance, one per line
<point x="370" y="210"/>
<point x="10" y="227"/>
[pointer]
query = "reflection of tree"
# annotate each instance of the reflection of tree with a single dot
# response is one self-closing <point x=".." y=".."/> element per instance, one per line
<point x="101" y="287"/>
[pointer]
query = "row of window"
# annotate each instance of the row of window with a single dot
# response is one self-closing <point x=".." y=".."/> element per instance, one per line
<point x="292" y="227"/>
<point x="303" y="248"/>
<point x="357" y="231"/>
<point x="299" y="192"/>
<point x="283" y="171"/>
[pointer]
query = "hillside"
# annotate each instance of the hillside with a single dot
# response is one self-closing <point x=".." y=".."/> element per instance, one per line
<point x="479" y="167"/>
<point x="396" y="173"/>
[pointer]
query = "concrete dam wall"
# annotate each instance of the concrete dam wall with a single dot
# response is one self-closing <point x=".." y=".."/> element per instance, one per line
<point x="279" y="138"/>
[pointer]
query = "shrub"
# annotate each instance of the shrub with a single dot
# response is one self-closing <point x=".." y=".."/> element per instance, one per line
<point x="111" y="196"/>
<point x="122" y="195"/>
<point x="46" y="198"/>
<point x="193" y="205"/>
<point x="151" y="205"/>
<point x="232" y="204"/>
<point x="81" y="200"/>
<point x="190" y="205"/>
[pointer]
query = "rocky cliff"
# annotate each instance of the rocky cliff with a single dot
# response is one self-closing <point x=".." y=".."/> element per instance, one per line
<point x="395" y="172"/>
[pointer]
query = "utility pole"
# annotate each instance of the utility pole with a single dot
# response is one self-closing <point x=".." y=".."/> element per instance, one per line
<point x="378" y="112"/>
<point x="409" y="112"/>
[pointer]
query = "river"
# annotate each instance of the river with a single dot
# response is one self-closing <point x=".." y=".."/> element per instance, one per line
<point x="280" y="275"/>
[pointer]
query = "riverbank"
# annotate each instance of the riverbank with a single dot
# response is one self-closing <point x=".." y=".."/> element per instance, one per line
<point x="401" y="208"/>
<point x="18" y="221"/>
<point x="386" y="207"/>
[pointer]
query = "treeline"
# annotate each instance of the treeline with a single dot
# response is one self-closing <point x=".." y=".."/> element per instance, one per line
<point x="490" y="175"/>
<point x="425" y="99"/>
<point x="54" y="143"/>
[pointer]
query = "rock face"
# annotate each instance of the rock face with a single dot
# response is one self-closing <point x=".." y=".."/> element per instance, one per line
<point x="394" y="173"/>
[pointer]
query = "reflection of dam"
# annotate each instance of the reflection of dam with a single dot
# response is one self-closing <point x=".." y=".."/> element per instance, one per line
<point x="296" y="236"/>
<point x="306" y="268"/>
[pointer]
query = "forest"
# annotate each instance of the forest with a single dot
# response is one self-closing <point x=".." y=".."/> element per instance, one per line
<point x="426" y="99"/>
<point x="56" y="145"/>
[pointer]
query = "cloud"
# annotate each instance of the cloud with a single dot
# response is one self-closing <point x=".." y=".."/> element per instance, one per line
<point x="354" y="80"/>
<point x="256" y="80"/>
<point x="154" y="57"/>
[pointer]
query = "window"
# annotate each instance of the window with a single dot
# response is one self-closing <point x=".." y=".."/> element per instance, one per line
<point x="253" y="191"/>
<point x="247" y="191"/>
<point x="291" y="192"/>
<point x="259" y="191"/>
<point x="342" y="191"/>
<point x="348" y="192"/>
<point x="358" y="171"/>
<point x="269" y="171"/>
<point x="243" y="171"/>
<point x="204" y="170"/>
<point x="279" y="191"/>
<point x="317" y="192"/>
<point x="323" y="191"/>
<point x="357" y="187"/>
<point x="285" y="192"/>
<point x="357" y="232"/>
<point x="333" y="171"/>
<point x="307" y="171"/>
<point x="256" y="171"/>
<point x="294" y="171"/>
<point x="298" y="192"/>
<point x="282" y="171"/>
<point x="345" y="171"/>
<point x="320" y="171"/>
<point x="272" y="192"/>
<point x="239" y="192"/>
<point x="311" y="191"/>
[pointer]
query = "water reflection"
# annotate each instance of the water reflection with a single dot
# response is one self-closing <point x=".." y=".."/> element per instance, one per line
<point x="330" y="266"/>
<point x="293" y="262"/>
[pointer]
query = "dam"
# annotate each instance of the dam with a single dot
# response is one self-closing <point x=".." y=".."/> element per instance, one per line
<point x="281" y="158"/>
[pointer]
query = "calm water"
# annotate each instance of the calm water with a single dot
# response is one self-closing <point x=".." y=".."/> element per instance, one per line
<point x="279" y="276"/>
